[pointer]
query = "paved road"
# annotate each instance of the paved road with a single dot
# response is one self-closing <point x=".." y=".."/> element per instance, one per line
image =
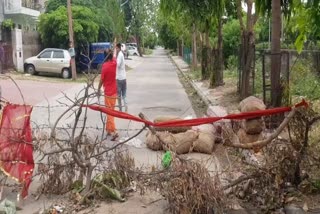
<point x="33" y="91"/>
<point x="153" y="89"/>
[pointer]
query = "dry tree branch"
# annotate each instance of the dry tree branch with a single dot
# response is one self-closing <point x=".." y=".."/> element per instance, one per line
<point x="238" y="181"/>
<point x="24" y="102"/>
<point x="53" y="133"/>
<point x="314" y="120"/>
<point x="121" y="143"/>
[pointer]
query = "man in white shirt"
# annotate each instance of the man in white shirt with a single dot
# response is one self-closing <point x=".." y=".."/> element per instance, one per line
<point x="121" y="78"/>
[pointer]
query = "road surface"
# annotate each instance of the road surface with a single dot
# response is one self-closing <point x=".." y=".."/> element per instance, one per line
<point x="153" y="89"/>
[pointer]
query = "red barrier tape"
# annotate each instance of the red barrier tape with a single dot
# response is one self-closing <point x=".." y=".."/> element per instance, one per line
<point x="198" y="121"/>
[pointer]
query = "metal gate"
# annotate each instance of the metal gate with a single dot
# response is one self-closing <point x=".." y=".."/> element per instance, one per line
<point x="266" y="75"/>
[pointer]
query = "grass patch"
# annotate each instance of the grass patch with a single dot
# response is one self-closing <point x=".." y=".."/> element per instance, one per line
<point x="230" y="74"/>
<point x="304" y="81"/>
<point x="194" y="74"/>
<point x="148" y="51"/>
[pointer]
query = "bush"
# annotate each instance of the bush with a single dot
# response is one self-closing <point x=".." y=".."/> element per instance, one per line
<point x="232" y="63"/>
<point x="150" y="40"/>
<point x="231" y="38"/>
<point x="304" y="82"/>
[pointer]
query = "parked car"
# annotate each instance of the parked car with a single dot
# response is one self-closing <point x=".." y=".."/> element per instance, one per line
<point x="50" y="60"/>
<point x="132" y="44"/>
<point x="133" y="51"/>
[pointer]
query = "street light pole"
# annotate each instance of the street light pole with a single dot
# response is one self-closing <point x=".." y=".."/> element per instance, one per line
<point x="71" y="40"/>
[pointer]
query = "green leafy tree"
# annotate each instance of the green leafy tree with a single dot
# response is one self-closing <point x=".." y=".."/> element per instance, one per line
<point x="108" y="15"/>
<point x="276" y="8"/>
<point x="53" y="27"/>
<point x="174" y="25"/>
<point x="110" y="19"/>
<point x="231" y="38"/>
<point x="306" y="22"/>
<point x="140" y="19"/>
<point x="203" y="15"/>
<point x="53" y="5"/>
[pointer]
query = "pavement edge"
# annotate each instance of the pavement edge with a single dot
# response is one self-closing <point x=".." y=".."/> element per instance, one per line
<point x="203" y="97"/>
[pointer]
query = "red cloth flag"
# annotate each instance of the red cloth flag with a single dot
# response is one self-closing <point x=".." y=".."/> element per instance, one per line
<point x="16" y="149"/>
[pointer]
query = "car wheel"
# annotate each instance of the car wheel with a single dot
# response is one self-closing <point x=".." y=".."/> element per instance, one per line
<point x="65" y="73"/>
<point x="135" y="54"/>
<point x="31" y="70"/>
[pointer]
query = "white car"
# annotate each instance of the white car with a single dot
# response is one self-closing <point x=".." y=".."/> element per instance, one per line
<point x="50" y="60"/>
<point x="133" y="51"/>
<point x="132" y="44"/>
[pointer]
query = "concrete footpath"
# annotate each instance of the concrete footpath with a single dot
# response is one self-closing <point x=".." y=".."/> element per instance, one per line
<point x="225" y="96"/>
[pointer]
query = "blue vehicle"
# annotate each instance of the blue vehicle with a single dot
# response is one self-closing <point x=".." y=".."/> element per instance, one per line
<point x="96" y="56"/>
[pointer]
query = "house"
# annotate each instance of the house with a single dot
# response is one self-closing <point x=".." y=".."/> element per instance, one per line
<point x="21" y="38"/>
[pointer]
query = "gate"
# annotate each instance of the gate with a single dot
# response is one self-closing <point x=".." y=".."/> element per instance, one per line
<point x="284" y="76"/>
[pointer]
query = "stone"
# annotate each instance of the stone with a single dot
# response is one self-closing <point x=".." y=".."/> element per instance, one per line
<point x="293" y="209"/>
<point x="251" y="104"/>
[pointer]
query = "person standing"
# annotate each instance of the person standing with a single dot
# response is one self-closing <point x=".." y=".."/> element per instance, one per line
<point x="108" y="80"/>
<point x="121" y="78"/>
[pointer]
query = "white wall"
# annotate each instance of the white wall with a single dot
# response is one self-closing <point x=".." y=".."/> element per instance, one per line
<point x="17" y="49"/>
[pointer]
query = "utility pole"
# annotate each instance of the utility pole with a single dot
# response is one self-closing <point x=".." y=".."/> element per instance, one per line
<point x="71" y="40"/>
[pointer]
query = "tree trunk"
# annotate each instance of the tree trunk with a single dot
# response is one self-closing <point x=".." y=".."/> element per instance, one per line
<point x="204" y="58"/>
<point x="194" y="47"/>
<point x="217" y="76"/>
<point x="247" y="49"/>
<point x="276" y="92"/>
<point x="139" y="45"/>
<point x="182" y="48"/>
<point x="207" y="38"/>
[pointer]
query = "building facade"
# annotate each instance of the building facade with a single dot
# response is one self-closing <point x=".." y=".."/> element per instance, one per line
<point x="21" y="39"/>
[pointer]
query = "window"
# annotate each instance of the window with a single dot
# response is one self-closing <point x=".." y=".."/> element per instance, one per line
<point x="58" y="55"/>
<point x="46" y="54"/>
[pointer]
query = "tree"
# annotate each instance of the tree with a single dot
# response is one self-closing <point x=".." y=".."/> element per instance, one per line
<point x="208" y="12"/>
<point x="175" y="8"/>
<point x="203" y="15"/>
<point x="276" y="92"/>
<point x="177" y="22"/>
<point x="231" y="38"/>
<point x="53" y="27"/>
<point x="110" y="19"/>
<point x="306" y="22"/>
<point x="276" y="7"/>
<point x="53" y="5"/>
<point x="108" y="15"/>
<point x="247" y="46"/>
<point x="140" y="19"/>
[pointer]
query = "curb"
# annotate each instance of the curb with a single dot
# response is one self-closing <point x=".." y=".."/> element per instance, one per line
<point x="203" y="97"/>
